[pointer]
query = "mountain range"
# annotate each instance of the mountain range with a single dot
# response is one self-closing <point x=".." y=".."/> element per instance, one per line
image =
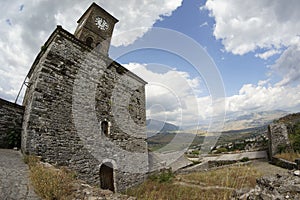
<point x="156" y="126"/>
<point x="234" y="121"/>
<point x="240" y="121"/>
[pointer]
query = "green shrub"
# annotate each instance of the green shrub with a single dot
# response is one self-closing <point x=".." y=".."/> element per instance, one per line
<point x="195" y="152"/>
<point x="282" y="148"/>
<point x="295" y="138"/>
<point x="221" y="150"/>
<point x="162" y="177"/>
<point x="245" y="159"/>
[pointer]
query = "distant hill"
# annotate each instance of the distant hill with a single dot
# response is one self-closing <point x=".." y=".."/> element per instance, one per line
<point x="156" y="126"/>
<point x="291" y="118"/>
<point x="256" y="119"/>
<point x="238" y="126"/>
<point x="239" y="121"/>
<point x="159" y="133"/>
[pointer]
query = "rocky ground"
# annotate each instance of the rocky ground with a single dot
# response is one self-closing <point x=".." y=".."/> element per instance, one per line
<point x="83" y="191"/>
<point x="279" y="187"/>
<point x="276" y="183"/>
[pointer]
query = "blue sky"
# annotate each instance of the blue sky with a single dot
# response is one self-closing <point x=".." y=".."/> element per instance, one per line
<point x="190" y="20"/>
<point x="254" y="45"/>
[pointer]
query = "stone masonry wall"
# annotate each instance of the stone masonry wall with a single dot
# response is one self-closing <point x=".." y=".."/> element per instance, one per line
<point x="73" y="90"/>
<point x="278" y="138"/>
<point x="11" y="116"/>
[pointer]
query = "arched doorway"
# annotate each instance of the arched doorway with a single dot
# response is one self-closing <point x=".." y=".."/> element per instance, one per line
<point x="107" y="176"/>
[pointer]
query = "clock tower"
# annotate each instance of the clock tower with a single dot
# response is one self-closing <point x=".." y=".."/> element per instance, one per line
<point x="95" y="28"/>
<point x="84" y="110"/>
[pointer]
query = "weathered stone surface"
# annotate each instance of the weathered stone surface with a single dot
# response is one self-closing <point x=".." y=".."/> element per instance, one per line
<point x="84" y="110"/>
<point x="278" y="138"/>
<point x="297" y="173"/>
<point x="11" y="116"/>
<point x="280" y="132"/>
<point x="285" y="186"/>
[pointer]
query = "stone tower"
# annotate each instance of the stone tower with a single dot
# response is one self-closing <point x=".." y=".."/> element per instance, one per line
<point x="84" y="110"/>
<point x="95" y="28"/>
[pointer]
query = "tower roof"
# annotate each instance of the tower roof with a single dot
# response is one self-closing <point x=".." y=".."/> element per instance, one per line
<point x="96" y="6"/>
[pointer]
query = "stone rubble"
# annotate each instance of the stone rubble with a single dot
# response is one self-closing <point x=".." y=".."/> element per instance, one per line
<point x="279" y="187"/>
<point x="83" y="191"/>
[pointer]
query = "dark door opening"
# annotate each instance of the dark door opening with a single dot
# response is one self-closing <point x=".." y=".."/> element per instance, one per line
<point x="107" y="177"/>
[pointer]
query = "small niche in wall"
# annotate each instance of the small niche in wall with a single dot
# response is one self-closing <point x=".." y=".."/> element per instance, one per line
<point x="89" y="41"/>
<point x="105" y="128"/>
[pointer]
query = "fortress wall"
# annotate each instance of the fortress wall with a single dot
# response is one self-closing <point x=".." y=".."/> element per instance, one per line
<point x="278" y="138"/>
<point x="11" y="116"/>
<point x="72" y="90"/>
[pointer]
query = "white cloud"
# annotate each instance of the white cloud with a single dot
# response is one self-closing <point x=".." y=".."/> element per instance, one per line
<point x="25" y="26"/>
<point x="170" y="97"/>
<point x="288" y="66"/>
<point x="244" y="26"/>
<point x="263" y="82"/>
<point x="255" y="98"/>
<point x="261" y="98"/>
<point x="269" y="25"/>
<point x="267" y="54"/>
<point x="173" y="95"/>
<point x="204" y="24"/>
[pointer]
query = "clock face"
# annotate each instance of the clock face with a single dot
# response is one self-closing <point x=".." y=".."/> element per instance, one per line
<point x="101" y="23"/>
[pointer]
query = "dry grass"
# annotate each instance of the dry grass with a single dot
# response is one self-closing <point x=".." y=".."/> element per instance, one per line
<point x="232" y="177"/>
<point x="292" y="156"/>
<point x="160" y="191"/>
<point x="52" y="184"/>
<point x="214" y="185"/>
<point x="48" y="182"/>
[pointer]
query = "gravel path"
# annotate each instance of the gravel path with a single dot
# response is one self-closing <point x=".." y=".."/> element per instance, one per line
<point x="14" y="181"/>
